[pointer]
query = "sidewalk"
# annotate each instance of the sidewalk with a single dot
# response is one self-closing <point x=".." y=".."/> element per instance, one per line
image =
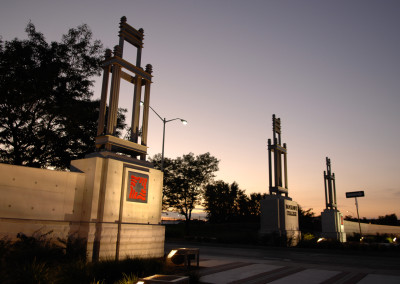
<point x="221" y="271"/>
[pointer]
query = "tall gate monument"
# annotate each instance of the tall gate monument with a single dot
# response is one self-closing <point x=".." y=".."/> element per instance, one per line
<point x="331" y="219"/>
<point x="279" y="213"/>
<point x="124" y="197"/>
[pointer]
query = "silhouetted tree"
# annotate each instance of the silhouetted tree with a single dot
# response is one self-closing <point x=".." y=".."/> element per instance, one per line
<point x="308" y="222"/>
<point x="184" y="180"/>
<point x="47" y="117"/>
<point x="242" y="206"/>
<point x="387" y="220"/>
<point x="254" y="204"/>
<point x="220" y="201"/>
<point x="228" y="203"/>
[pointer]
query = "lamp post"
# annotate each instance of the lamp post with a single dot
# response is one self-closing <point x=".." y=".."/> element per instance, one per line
<point x="164" y="120"/>
<point x="359" y="224"/>
<point x="356" y="194"/>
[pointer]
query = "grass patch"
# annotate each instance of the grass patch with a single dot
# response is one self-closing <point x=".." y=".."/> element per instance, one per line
<point x="372" y="244"/>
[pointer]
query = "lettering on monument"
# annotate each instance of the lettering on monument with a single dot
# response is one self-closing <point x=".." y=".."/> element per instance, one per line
<point x="291" y="207"/>
<point x="291" y="210"/>
<point x="137" y="187"/>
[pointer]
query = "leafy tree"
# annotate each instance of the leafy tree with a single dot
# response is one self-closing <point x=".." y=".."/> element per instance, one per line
<point x="254" y="204"/>
<point x="168" y="176"/>
<point x="47" y="117"/>
<point x="242" y="206"/>
<point x="220" y="201"/>
<point x="308" y="222"/>
<point x="228" y="203"/>
<point x="184" y="180"/>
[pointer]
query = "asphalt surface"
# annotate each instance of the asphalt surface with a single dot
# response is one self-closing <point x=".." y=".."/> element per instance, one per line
<point x="334" y="265"/>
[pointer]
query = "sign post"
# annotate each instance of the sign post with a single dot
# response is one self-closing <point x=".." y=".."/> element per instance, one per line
<point x="356" y="194"/>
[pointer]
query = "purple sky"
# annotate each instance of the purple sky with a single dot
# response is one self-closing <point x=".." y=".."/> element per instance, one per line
<point x="329" y="69"/>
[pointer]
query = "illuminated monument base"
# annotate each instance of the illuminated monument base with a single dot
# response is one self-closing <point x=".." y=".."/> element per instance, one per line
<point x="121" y="204"/>
<point x="333" y="225"/>
<point x="111" y="202"/>
<point x="279" y="217"/>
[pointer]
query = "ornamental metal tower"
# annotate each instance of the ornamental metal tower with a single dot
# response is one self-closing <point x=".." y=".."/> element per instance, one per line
<point x="279" y="153"/>
<point x="115" y="64"/>
<point x="330" y="186"/>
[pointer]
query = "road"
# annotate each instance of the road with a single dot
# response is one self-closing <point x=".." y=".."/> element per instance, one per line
<point x="328" y="265"/>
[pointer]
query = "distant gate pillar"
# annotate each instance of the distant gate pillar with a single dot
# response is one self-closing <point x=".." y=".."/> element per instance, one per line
<point x="279" y="213"/>
<point x="331" y="219"/>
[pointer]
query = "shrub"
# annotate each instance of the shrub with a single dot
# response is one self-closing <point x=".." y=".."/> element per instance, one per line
<point x="41" y="259"/>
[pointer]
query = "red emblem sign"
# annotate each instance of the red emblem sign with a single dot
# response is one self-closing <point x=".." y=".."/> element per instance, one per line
<point x="138" y="185"/>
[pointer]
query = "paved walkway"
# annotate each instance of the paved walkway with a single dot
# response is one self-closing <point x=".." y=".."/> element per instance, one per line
<point x="218" y="266"/>
<point x="223" y="271"/>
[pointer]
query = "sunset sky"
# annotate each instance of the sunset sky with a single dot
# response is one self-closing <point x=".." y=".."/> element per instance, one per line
<point x="329" y="69"/>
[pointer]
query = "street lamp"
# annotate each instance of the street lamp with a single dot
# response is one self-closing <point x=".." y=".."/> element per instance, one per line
<point x="164" y="120"/>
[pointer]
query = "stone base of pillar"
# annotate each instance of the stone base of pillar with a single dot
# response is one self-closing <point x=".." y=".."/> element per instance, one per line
<point x="279" y="218"/>
<point x="121" y="214"/>
<point x="333" y="225"/>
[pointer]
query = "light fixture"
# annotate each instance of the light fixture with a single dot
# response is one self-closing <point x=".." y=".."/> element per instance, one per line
<point x="164" y="120"/>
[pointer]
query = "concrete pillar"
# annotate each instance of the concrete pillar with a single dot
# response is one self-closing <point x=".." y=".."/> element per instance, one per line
<point x="136" y="109"/>
<point x="113" y="105"/>
<point x="104" y="91"/>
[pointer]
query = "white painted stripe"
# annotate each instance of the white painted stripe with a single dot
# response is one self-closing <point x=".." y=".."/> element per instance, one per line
<point x="238" y="273"/>
<point x="379" y="278"/>
<point x="309" y="276"/>
<point x="213" y="262"/>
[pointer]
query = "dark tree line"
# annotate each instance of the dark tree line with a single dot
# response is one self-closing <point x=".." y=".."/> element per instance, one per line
<point x="188" y="182"/>
<point x="225" y="202"/>
<point x="308" y="222"/>
<point x="388" y="219"/>
<point x="184" y="180"/>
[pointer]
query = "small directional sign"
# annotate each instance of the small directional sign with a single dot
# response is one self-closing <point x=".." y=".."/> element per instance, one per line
<point x="355" y="194"/>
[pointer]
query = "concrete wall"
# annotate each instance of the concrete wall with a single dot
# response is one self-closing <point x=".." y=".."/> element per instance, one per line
<point x="89" y="203"/>
<point x="37" y="199"/>
<point x="107" y="182"/>
<point x="370" y="229"/>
